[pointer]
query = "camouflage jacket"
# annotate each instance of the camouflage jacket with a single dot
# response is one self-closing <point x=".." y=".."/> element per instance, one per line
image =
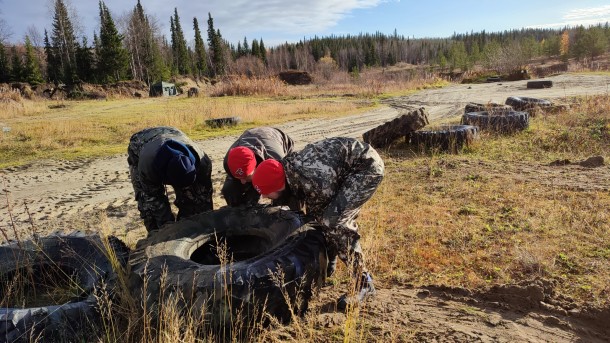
<point x="265" y="142"/>
<point x="149" y="189"/>
<point x="332" y="177"/>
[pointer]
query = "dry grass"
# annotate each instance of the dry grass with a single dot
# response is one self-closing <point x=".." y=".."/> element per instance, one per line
<point x="474" y="219"/>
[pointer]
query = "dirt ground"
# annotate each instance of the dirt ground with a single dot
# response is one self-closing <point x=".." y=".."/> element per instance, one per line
<point x="61" y="195"/>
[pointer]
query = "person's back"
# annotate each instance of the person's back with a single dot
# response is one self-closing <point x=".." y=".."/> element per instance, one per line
<point x="334" y="178"/>
<point x="161" y="156"/>
<point x="250" y="149"/>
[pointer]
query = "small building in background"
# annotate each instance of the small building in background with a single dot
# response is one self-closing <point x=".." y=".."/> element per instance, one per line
<point x="163" y="89"/>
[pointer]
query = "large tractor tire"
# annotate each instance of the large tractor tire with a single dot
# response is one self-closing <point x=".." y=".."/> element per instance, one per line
<point x="232" y="262"/>
<point x="450" y="138"/>
<point x="505" y="123"/>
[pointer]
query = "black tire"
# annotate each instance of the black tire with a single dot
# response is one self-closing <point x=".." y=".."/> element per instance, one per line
<point x="540" y="84"/>
<point x="385" y="134"/>
<point x="504" y="123"/>
<point x="69" y="270"/>
<point x="489" y="107"/>
<point x="450" y="138"/>
<point x="521" y="103"/>
<point x="264" y="241"/>
<point x="222" y="122"/>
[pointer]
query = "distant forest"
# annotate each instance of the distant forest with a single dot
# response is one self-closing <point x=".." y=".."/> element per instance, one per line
<point x="133" y="48"/>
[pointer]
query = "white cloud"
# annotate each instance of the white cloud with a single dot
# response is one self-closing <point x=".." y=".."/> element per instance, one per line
<point x="588" y="13"/>
<point x="278" y="15"/>
<point x="580" y="16"/>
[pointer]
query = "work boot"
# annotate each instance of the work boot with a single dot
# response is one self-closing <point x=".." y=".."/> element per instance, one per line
<point x="365" y="290"/>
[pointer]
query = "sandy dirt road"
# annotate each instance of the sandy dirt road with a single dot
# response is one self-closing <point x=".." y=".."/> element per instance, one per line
<point x="49" y="195"/>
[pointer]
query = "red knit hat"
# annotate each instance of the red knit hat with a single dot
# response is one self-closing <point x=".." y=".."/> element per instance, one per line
<point x="241" y="162"/>
<point x="269" y="177"/>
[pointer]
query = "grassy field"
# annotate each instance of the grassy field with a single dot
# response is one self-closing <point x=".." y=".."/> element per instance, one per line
<point x="498" y="212"/>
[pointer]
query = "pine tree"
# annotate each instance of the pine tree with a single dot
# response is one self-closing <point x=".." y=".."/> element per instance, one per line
<point x="84" y="62"/>
<point x="216" y="49"/>
<point x="201" y="58"/>
<point x="262" y="52"/>
<point x="16" y="65"/>
<point x="112" y="63"/>
<point x="53" y="67"/>
<point x="31" y="70"/>
<point x="255" y="48"/>
<point x="64" y="44"/>
<point x="181" y="56"/>
<point x="246" y="48"/>
<point x="5" y="69"/>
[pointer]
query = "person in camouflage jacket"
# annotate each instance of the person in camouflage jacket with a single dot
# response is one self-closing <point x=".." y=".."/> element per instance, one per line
<point x="161" y="156"/>
<point x="333" y="178"/>
<point x="250" y="149"/>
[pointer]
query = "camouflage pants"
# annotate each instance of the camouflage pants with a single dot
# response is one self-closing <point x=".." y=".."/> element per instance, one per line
<point x="153" y="202"/>
<point x="340" y="216"/>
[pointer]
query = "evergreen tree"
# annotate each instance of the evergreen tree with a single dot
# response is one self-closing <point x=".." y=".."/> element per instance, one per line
<point x="53" y="67"/>
<point x="181" y="56"/>
<point x="262" y="52"/>
<point x="255" y="48"/>
<point x="84" y="62"/>
<point x="201" y="58"/>
<point x="112" y="63"/>
<point x="16" y="65"/>
<point x="246" y="48"/>
<point x="5" y="69"/>
<point x="579" y="47"/>
<point x="216" y="49"/>
<point x="31" y="69"/>
<point x="64" y="44"/>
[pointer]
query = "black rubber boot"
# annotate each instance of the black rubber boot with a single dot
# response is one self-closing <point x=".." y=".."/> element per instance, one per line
<point x="366" y="289"/>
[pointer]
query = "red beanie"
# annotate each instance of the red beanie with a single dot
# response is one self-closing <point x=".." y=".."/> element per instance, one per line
<point x="241" y="162"/>
<point x="269" y="177"/>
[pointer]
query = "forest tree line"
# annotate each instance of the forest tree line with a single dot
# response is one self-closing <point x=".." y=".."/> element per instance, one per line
<point x="136" y="50"/>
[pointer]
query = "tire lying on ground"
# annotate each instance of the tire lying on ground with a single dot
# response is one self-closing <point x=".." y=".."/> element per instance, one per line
<point x="273" y="255"/>
<point x="449" y="138"/>
<point x="222" y="122"/>
<point x="504" y="123"/>
<point x="385" y="134"/>
<point x="491" y="107"/>
<point x="539" y="84"/>
<point x="521" y="103"/>
<point x="50" y="286"/>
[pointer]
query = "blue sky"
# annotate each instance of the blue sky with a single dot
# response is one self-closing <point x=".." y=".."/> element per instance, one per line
<point x="278" y="21"/>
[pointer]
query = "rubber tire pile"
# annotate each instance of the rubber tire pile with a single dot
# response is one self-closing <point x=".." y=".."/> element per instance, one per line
<point x="230" y="264"/>
<point x="508" y="118"/>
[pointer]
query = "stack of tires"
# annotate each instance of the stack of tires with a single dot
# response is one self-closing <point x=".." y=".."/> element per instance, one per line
<point x="495" y="118"/>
